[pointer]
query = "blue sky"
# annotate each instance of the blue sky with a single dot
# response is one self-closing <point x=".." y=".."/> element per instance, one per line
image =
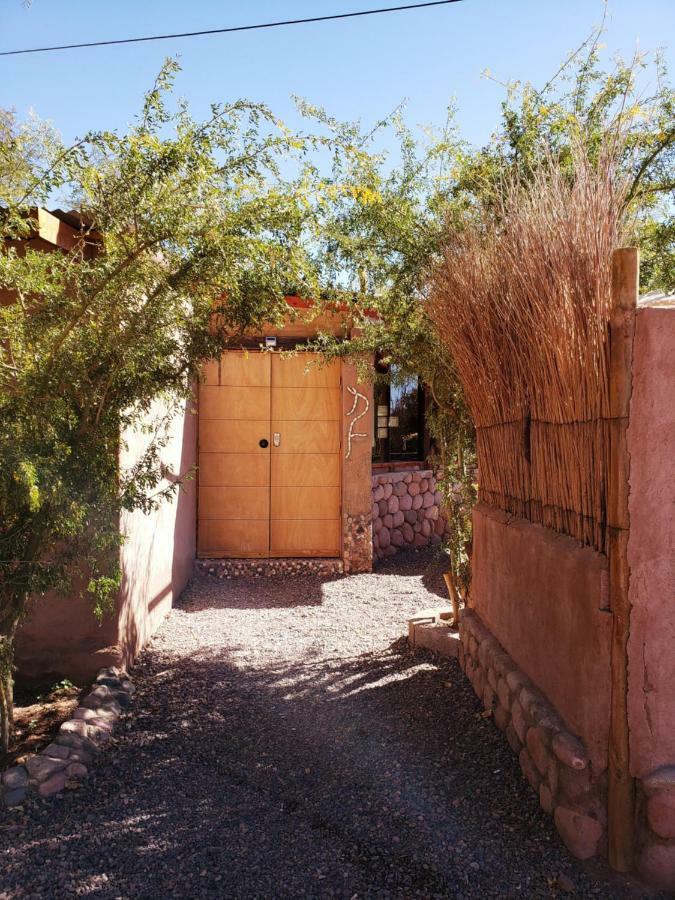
<point x="357" y="69"/>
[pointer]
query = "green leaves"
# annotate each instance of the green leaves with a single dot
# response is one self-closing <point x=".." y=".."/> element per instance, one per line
<point x="172" y="218"/>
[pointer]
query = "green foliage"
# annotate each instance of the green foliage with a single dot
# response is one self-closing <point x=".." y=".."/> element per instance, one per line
<point x="381" y="237"/>
<point x="174" y="215"/>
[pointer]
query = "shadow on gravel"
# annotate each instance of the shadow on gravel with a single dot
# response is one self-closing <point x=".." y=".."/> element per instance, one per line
<point x="369" y="776"/>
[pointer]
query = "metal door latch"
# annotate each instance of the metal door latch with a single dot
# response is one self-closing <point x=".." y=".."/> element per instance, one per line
<point x="276" y="439"/>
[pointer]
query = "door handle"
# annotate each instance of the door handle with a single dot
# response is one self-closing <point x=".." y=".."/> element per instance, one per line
<point x="276" y="439"/>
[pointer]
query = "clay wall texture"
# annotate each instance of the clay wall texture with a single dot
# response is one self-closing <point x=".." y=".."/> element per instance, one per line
<point x="61" y="636"/>
<point x="544" y="597"/>
<point x="651" y="562"/>
<point x="157" y="557"/>
<point x="406" y="511"/>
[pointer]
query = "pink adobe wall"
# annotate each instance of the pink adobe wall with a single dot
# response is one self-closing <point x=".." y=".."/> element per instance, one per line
<point x="157" y="557"/>
<point x="62" y="638"/>
<point x="544" y="597"/>
<point x="651" y="546"/>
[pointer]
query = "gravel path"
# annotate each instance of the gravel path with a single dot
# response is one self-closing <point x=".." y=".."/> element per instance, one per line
<point x="285" y="743"/>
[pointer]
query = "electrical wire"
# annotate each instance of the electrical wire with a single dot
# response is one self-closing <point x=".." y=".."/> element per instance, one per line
<point x="232" y="29"/>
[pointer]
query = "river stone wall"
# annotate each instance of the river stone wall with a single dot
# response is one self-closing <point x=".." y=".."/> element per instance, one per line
<point x="407" y="512"/>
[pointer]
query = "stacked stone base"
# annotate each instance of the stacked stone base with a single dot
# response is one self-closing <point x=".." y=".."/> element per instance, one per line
<point x="554" y="761"/>
<point x="267" y="568"/>
<point x="656" y="838"/>
<point x="407" y="512"/>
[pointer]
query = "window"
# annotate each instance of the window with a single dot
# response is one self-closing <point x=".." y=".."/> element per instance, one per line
<point x="398" y="432"/>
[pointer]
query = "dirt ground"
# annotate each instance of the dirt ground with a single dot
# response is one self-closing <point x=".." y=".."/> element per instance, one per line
<point x="38" y="713"/>
<point x="285" y="743"/>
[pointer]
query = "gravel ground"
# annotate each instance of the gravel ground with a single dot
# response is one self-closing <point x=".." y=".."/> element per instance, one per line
<point x="285" y="743"/>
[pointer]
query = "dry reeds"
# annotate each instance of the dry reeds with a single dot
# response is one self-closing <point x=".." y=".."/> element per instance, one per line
<point x="523" y="305"/>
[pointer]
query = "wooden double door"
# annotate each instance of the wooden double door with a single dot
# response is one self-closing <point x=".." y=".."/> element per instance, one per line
<point x="269" y="456"/>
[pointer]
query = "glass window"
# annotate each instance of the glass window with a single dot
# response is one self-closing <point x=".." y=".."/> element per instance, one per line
<point x="398" y="432"/>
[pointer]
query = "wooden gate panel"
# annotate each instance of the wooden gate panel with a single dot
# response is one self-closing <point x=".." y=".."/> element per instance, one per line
<point x="305" y="496"/>
<point x="234" y="470"/>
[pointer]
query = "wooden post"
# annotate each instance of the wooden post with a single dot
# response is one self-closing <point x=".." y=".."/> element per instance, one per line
<point x="621" y="787"/>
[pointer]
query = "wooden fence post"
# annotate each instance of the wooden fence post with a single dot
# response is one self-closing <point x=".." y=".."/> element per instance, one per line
<point x="621" y="787"/>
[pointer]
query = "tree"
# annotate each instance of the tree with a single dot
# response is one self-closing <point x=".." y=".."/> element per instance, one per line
<point x="383" y="236"/>
<point x="173" y="215"/>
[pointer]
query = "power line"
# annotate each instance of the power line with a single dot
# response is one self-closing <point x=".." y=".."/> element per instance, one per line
<point x="256" y="27"/>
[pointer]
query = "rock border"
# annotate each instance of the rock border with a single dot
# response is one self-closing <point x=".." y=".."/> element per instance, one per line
<point x="65" y="761"/>
<point x="553" y="759"/>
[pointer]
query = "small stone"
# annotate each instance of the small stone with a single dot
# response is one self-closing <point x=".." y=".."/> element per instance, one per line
<point x="538" y="750"/>
<point x="661" y="814"/>
<point x="52" y="785"/>
<point x="504" y="693"/>
<point x="76" y="770"/>
<point x="83" y="713"/>
<point x="76" y="741"/>
<point x="16" y="777"/>
<point x="502" y="718"/>
<point x="575" y="786"/>
<point x="662" y="779"/>
<point x="529" y="770"/>
<point x="56" y="751"/>
<point x="581" y="834"/>
<point x="41" y="768"/>
<point x="569" y="750"/>
<point x="518" y="719"/>
<point x="428" y="500"/>
<point x="545" y="798"/>
<point x="516" y="680"/>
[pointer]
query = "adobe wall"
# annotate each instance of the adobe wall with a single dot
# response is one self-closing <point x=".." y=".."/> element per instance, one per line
<point x="157" y="557"/>
<point x="61" y="636"/>
<point x="406" y="511"/>
<point x="535" y="644"/>
<point x="651" y="560"/>
<point x="544" y="597"/>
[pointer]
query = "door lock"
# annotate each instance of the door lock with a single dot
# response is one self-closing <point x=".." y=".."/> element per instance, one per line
<point x="276" y="439"/>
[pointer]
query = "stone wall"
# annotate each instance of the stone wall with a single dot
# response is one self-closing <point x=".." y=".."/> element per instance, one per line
<point x="407" y="512"/>
<point x="554" y="760"/>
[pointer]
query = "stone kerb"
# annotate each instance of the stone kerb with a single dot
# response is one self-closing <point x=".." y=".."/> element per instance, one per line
<point x="65" y="762"/>
<point x="407" y="512"/>
<point x="554" y="761"/>
<point x="656" y="835"/>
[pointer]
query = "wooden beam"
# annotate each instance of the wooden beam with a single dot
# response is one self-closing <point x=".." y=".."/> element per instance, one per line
<point x="621" y="786"/>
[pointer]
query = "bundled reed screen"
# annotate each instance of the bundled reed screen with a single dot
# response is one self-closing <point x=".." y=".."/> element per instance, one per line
<point x="523" y="305"/>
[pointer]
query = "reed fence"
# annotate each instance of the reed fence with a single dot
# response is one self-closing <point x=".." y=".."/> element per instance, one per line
<point x="523" y="304"/>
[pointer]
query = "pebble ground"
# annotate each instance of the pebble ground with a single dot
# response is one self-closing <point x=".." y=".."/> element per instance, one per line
<point x="285" y="743"/>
